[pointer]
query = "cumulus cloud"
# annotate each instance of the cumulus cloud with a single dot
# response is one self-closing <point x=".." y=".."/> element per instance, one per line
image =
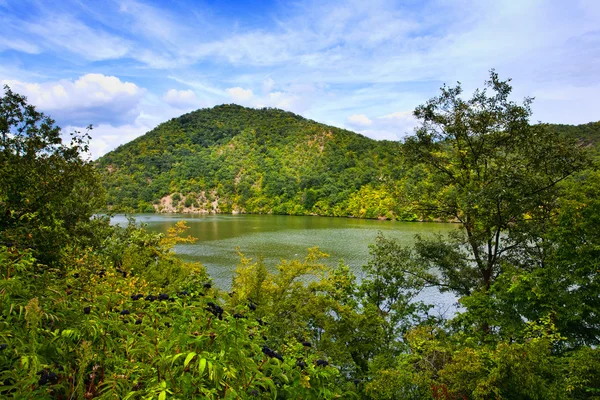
<point x="182" y="99"/>
<point x="403" y="123"/>
<point x="90" y="99"/>
<point x="295" y="98"/>
<point x="106" y="137"/>
<point x="393" y="126"/>
<point x="359" y="120"/>
<point x="404" y="119"/>
<point x="286" y="101"/>
<point x="240" y="95"/>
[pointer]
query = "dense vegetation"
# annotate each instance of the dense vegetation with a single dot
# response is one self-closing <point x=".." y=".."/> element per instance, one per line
<point x="112" y="313"/>
<point x="236" y="159"/>
<point x="588" y="133"/>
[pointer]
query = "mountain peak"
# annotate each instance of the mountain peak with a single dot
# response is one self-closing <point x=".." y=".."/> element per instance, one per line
<point x="231" y="158"/>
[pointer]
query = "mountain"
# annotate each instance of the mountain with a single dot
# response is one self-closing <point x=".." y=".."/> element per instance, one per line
<point x="588" y="134"/>
<point x="235" y="159"/>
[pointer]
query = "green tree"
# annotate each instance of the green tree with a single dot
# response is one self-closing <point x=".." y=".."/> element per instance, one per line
<point x="567" y="283"/>
<point x="493" y="172"/>
<point x="304" y="301"/>
<point x="48" y="191"/>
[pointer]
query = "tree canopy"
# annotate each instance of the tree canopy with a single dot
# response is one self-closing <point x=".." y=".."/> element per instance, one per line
<point x="493" y="172"/>
<point x="47" y="188"/>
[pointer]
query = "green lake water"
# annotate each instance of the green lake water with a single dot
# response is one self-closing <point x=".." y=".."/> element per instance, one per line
<point x="276" y="237"/>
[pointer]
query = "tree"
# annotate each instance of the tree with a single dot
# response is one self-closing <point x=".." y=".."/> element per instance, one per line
<point x="47" y="189"/>
<point x="494" y="173"/>
<point x="568" y="284"/>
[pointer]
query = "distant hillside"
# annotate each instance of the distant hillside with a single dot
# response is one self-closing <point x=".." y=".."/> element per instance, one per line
<point x="235" y="159"/>
<point x="588" y="134"/>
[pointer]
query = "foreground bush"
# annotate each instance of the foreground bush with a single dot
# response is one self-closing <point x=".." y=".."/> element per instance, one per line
<point x="93" y="330"/>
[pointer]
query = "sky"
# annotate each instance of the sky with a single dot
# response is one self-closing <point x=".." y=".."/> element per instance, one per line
<point x="125" y="66"/>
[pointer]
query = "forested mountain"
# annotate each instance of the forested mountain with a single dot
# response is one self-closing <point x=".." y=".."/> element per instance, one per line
<point x="588" y="134"/>
<point x="235" y="159"/>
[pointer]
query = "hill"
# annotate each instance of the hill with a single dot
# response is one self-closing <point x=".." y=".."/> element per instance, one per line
<point x="235" y="159"/>
<point x="587" y="134"/>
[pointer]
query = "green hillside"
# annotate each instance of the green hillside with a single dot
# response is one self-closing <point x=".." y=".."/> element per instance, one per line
<point x="235" y="159"/>
<point x="243" y="160"/>
<point x="588" y="133"/>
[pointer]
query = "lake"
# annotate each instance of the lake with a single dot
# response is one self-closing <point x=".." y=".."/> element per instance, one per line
<point x="276" y="237"/>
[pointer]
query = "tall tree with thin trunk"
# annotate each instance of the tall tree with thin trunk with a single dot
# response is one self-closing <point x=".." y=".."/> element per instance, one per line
<point x="489" y="169"/>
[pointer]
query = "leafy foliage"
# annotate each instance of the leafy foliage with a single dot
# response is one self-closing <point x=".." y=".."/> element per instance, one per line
<point x="47" y="191"/>
<point x="524" y="264"/>
<point x="91" y="310"/>
<point x="101" y="339"/>
<point x="496" y="175"/>
<point x="113" y="313"/>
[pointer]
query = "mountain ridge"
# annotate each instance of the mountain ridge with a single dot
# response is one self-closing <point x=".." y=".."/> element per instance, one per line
<point x="235" y="159"/>
<point x="231" y="158"/>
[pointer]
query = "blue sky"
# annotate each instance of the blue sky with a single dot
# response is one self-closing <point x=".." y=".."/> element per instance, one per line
<point x="125" y="66"/>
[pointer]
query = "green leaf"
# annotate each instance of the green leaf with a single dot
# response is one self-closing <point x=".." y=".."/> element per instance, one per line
<point x="189" y="358"/>
<point x="175" y="357"/>
<point x="202" y="365"/>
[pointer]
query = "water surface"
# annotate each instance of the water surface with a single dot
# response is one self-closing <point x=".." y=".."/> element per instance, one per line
<point x="277" y="237"/>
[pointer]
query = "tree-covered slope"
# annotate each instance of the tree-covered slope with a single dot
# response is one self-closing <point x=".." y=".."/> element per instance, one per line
<point x="588" y="133"/>
<point x="235" y="159"/>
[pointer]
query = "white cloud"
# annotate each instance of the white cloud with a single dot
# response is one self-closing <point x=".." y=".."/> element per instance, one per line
<point x="401" y="122"/>
<point x="359" y="120"/>
<point x="240" y="95"/>
<point x="200" y="85"/>
<point x="106" y="137"/>
<point x="90" y="99"/>
<point x="18" y="45"/>
<point x="404" y="118"/>
<point x="64" y="32"/>
<point x="393" y="126"/>
<point x="326" y="60"/>
<point x="287" y="101"/>
<point x="294" y="98"/>
<point x="181" y="98"/>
